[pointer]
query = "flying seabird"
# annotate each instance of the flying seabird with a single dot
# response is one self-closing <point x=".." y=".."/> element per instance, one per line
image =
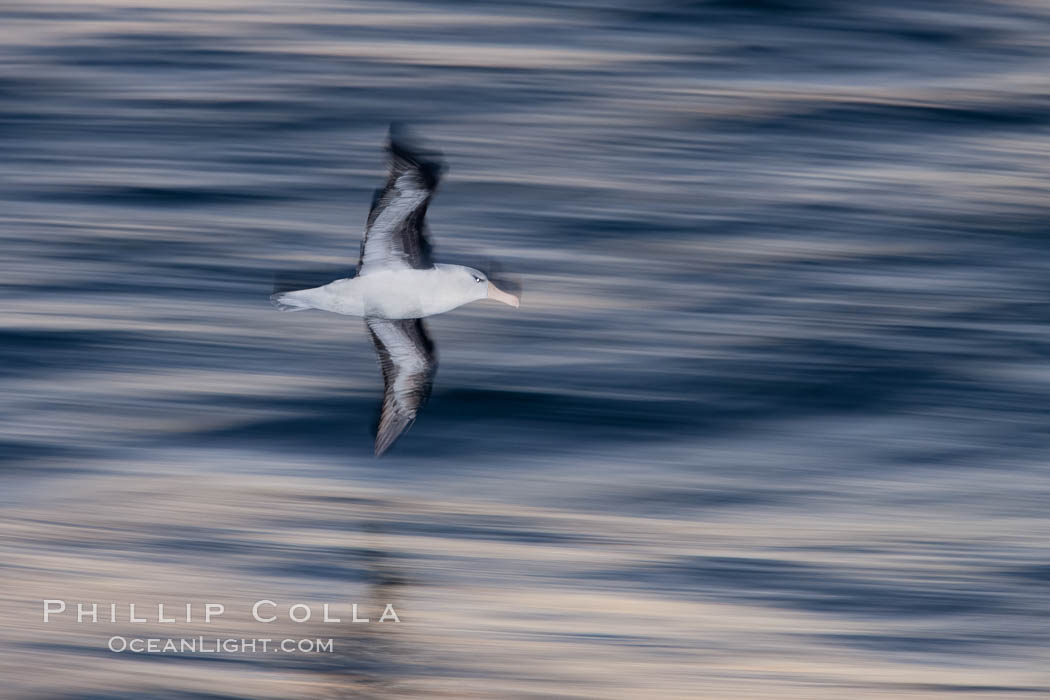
<point x="398" y="284"/>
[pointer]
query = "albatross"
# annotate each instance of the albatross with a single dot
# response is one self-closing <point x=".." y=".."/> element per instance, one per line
<point x="398" y="284"/>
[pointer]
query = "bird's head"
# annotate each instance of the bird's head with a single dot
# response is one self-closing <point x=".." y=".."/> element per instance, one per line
<point x="481" y="288"/>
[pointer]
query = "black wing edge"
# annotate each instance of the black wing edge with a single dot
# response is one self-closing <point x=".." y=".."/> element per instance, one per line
<point x="406" y="151"/>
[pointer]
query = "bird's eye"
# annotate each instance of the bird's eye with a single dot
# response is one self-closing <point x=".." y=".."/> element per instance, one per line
<point x="477" y="279"/>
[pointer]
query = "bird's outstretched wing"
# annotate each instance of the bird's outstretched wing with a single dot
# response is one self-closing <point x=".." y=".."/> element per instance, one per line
<point x="408" y="362"/>
<point x="395" y="236"/>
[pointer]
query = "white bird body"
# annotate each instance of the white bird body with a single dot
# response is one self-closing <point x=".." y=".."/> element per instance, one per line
<point x="397" y="293"/>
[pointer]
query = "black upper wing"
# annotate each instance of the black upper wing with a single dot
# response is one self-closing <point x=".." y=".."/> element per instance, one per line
<point x="395" y="236"/>
<point x="408" y="362"/>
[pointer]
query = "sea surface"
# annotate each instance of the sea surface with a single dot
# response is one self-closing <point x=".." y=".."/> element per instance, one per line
<point x="772" y="421"/>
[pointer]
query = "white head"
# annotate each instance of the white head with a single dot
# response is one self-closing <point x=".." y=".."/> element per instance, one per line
<point x="474" y="285"/>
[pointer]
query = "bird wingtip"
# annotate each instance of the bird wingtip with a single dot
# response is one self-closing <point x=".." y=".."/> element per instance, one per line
<point x="403" y="143"/>
<point x="389" y="431"/>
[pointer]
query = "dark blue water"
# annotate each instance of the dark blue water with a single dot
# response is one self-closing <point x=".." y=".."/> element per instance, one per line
<point x="770" y="422"/>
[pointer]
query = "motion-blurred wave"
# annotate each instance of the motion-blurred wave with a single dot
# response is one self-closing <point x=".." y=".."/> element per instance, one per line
<point x="771" y="420"/>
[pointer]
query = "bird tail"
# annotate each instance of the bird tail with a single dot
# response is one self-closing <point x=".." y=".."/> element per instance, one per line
<point x="288" y="301"/>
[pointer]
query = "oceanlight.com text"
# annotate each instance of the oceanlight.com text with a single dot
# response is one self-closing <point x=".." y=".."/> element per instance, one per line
<point x="219" y="645"/>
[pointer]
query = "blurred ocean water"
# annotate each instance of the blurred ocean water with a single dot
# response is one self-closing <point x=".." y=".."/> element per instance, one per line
<point x="772" y="420"/>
